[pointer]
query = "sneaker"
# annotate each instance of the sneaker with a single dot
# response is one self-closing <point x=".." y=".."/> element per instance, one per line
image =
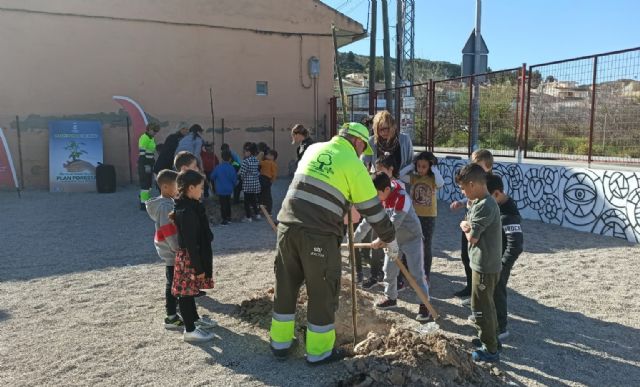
<point x="247" y="220"/>
<point x="465" y="302"/>
<point x="205" y="323"/>
<point x="463" y="293"/>
<point x="283" y="354"/>
<point x="423" y="314"/>
<point x="478" y="344"/>
<point x="173" y="322"/>
<point x="401" y="286"/>
<point x="386" y="303"/>
<point x="336" y="355"/>
<point x="484" y="355"/>
<point x="197" y="336"/>
<point x="368" y="284"/>
<point x="503" y="335"/>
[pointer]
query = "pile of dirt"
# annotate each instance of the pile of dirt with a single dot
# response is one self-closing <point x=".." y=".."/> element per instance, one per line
<point x="388" y="355"/>
<point x="405" y="357"/>
<point x="369" y="318"/>
<point x="257" y="309"/>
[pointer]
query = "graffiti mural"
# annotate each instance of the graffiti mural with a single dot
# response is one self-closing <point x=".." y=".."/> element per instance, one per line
<point x="599" y="201"/>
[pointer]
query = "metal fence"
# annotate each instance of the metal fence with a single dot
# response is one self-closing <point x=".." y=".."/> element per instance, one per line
<point x="585" y="108"/>
<point x="409" y="103"/>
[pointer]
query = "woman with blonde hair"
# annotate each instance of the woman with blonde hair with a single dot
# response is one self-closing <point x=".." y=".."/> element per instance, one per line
<point x="387" y="140"/>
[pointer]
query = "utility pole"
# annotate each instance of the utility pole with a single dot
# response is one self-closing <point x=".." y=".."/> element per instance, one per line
<point x="372" y="57"/>
<point x="475" y="103"/>
<point x="399" y="56"/>
<point x="387" y="56"/>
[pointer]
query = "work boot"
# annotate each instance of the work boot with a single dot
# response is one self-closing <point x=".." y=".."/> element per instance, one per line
<point x="478" y="344"/>
<point x="484" y="355"/>
<point x="336" y="355"/>
<point x="283" y="354"/>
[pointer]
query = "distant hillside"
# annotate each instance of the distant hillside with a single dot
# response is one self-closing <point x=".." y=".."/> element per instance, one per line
<point x="424" y="69"/>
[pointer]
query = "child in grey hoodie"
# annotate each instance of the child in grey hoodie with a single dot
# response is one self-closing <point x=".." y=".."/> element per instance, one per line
<point x="166" y="238"/>
<point x="397" y="203"/>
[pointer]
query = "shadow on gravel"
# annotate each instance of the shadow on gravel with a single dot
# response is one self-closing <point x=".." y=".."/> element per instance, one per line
<point x="249" y="355"/>
<point x="556" y="342"/>
<point x="46" y="234"/>
<point x="4" y="315"/>
<point x="214" y="306"/>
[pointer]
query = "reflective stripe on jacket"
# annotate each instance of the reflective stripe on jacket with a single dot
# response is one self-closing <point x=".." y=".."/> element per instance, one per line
<point x="329" y="177"/>
<point x="146" y="148"/>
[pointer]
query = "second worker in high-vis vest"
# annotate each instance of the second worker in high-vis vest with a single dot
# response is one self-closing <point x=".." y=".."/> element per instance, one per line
<point x="146" y="159"/>
<point x="329" y="178"/>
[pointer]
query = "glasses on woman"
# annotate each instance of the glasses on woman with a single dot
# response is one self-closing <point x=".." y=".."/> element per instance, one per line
<point x="383" y="129"/>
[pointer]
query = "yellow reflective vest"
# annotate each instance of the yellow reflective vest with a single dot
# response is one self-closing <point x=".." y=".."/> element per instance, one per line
<point x="330" y="177"/>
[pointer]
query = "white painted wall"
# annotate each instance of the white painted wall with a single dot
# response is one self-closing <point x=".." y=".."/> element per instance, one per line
<point x="605" y="202"/>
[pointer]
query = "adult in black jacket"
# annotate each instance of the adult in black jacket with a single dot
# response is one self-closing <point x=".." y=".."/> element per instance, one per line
<point x="165" y="158"/>
<point x="300" y="135"/>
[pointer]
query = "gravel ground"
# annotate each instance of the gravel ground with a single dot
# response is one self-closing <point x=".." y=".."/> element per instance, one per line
<point x="81" y="302"/>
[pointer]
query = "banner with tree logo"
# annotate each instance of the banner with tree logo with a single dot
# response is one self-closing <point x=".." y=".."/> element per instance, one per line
<point x="75" y="149"/>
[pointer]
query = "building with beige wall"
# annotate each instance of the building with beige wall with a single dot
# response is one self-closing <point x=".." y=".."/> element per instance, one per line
<point x="67" y="58"/>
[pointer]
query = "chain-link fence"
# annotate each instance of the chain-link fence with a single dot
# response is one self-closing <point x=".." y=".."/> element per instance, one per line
<point x="409" y="103"/>
<point x="585" y="108"/>
<point x="499" y="111"/>
<point x="616" y="126"/>
<point x="451" y="112"/>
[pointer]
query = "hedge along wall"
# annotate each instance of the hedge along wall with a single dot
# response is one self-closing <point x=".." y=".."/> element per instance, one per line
<point x="605" y="202"/>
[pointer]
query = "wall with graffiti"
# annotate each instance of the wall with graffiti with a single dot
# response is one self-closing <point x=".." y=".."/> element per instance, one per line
<point x="603" y="202"/>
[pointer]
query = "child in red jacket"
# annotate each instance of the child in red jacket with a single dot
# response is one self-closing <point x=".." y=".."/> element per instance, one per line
<point x="209" y="163"/>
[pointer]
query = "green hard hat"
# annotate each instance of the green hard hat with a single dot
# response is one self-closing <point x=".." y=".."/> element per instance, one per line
<point x="360" y="131"/>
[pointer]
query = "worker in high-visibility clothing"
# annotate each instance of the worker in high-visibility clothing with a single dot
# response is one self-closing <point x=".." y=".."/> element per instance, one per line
<point x="146" y="159"/>
<point x="329" y="177"/>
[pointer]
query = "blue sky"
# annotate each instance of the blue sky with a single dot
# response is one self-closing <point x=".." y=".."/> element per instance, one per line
<point x="515" y="31"/>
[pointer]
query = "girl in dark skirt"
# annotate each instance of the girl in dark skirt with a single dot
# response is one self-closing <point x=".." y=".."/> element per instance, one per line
<point x="194" y="260"/>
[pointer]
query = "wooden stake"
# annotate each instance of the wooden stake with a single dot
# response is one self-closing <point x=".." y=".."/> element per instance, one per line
<point x="267" y="216"/>
<point x="423" y="297"/>
<point x="398" y="261"/>
<point x="352" y="261"/>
